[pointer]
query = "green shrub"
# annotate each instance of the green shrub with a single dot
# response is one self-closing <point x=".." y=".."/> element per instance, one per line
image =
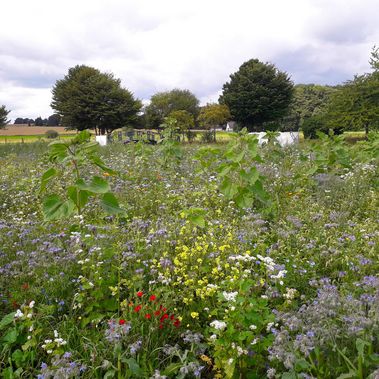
<point x="51" y="134"/>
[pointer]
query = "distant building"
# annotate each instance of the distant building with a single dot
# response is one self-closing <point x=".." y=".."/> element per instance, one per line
<point x="230" y="126"/>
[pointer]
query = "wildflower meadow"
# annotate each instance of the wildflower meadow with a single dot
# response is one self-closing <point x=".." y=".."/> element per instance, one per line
<point x="228" y="260"/>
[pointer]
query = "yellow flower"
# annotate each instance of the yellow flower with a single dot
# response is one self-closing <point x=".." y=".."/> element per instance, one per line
<point x="194" y="315"/>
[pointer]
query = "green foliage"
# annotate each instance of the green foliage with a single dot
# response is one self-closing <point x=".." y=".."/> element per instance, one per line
<point x="163" y="103"/>
<point x="169" y="146"/>
<point x="314" y="124"/>
<point x="309" y="101"/>
<point x="3" y="117"/>
<point x="355" y="105"/>
<point x="257" y="93"/>
<point x="213" y="115"/>
<point x="184" y="120"/>
<point x="54" y="120"/>
<point x="240" y="180"/>
<point x="89" y="99"/>
<point x="51" y="134"/>
<point x="77" y="155"/>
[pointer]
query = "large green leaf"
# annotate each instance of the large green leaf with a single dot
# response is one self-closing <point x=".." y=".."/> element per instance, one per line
<point x="97" y="185"/>
<point x="54" y="208"/>
<point x="99" y="163"/>
<point x="58" y="151"/>
<point x="6" y="320"/>
<point x="78" y="196"/>
<point x="228" y="188"/>
<point x="47" y="176"/>
<point x="110" y="204"/>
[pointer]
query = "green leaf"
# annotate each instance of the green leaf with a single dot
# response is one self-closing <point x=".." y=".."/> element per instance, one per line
<point x="173" y="368"/>
<point x="110" y="374"/>
<point x="289" y="375"/>
<point x="11" y="336"/>
<point x="6" y="320"/>
<point x="54" y="208"/>
<point x="46" y="177"/>
<point x="110" y="204"/>
<point x="134" y="366"/>
<point x="99" y="163"/>
<point x="58" y="151"/>
<point x="7" y="373"/>
<point x="78" y="196"/>
<point x="350" y="374"/>
<point x="301" y="365"/>
<point x="244" y="199"/>
<point x="97" y="185"/>
<point x="228" y="188"/>
<point x="18" y="357"/>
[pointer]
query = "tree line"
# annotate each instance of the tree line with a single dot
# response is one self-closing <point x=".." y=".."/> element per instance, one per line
<point x="258" y="96"/>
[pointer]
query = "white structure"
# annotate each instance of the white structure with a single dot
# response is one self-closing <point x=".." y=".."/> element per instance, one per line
<point x="284" y="138"/>
<point x="230" y="126"/>
<point x="102" y="140"/>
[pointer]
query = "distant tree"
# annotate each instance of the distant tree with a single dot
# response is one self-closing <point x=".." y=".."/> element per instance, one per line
<point x="184" y="120"/>
<point x="3" y="117"/>
<point x="356" y="104"/>
<point x="213" y="115"/>
<point x="308" y="100"/>
<point x="53" y="120"/>
<point x="18" y="121"/>
<point x="38" y="121"/>
<point x="163" y="103"/>
<point x="257" y="93"/>
<point x="89" y="99"/>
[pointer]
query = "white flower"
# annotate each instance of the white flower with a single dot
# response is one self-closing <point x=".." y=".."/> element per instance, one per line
<point x="252" y="327"/>
<point x="30" y="315"/>
<point x="219" y="325"/>
<point x="230" y="296"/>
<point x="18" y="314"/>
<point x="49" y="351"/>
<point x="31" y="304"/>
<point x="254" y="341"/>
<point x="213" y="337"/>
<point x="55" y="333"/>
<point x="269" y="326"/>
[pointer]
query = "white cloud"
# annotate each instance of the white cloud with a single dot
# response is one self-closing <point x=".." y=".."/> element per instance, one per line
<point x="159" y="45"/>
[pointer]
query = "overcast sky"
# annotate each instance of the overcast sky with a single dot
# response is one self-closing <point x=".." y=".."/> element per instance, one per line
<point x="157" y="45"/>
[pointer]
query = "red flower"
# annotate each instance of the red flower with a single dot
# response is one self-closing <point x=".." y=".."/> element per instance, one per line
<point x="157" y="313"/>
<point x="161" y="326"/>
<point x="152" y="297"/>
<point x="139" y="293"/>
<point x="122" y="322"/>
<point x="137" y="308"/>
<point x="164" y="317"/>
<point x="148" y="316"/>
<point x="177" y="323"/>
<point x="172" y="317"/>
